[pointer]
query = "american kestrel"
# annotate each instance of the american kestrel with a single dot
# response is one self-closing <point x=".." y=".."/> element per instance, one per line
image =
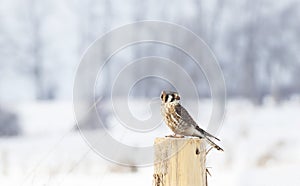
<point x="179" y="120"/>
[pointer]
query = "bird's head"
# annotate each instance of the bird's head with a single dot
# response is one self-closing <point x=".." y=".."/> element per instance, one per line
<point x="169" y="97"/>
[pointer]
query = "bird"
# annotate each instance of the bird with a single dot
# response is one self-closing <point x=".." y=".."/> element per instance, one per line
<point x="179" y="120"/>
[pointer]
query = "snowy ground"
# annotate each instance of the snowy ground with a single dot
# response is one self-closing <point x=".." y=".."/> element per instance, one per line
<point x="261" y="148"/>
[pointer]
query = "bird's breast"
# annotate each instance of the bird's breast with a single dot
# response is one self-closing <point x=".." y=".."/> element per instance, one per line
<point x="171" y="118"/>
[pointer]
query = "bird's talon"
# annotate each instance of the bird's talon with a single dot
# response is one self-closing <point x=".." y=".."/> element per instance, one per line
<point x="170" y="136"/>
<point x="178" y="136"/>
<point x="174" y="136"/>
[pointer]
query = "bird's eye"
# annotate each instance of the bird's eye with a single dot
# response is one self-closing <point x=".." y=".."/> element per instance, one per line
<point x="161" y="96"/>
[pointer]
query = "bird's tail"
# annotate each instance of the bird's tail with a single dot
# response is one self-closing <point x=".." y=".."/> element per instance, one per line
<point x="213" y="144"/>
<point x="203" y="134"/>
<point x="206" y="133"/>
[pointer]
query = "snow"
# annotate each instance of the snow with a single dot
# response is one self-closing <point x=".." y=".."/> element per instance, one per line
<point x="46" y="117"/>
<point x="261" y="148"/>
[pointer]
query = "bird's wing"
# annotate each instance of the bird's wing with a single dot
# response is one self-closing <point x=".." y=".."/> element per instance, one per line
<point x="183" y="113"/>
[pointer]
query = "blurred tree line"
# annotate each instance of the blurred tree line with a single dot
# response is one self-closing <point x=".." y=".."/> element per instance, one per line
<point x="256" y="42"/>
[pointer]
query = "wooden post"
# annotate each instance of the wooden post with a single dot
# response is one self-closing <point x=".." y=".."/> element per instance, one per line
<point x="179" y="162"/>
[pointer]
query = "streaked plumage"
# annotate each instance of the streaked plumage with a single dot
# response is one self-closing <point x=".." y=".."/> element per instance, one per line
<point x="179" y="120"/>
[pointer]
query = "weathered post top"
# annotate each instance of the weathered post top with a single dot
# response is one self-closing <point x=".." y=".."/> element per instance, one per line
<point x="179" y="162"/>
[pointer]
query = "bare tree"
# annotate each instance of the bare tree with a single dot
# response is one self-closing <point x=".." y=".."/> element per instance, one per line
<point x="93" y="21"/>
<point x="215" y="30"/>
<point x="37" y="48"/>
<point x="33" y="15"/>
